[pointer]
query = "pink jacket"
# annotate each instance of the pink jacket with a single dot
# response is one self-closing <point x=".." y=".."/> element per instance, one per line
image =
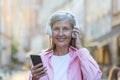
<point x="81" y="67"/>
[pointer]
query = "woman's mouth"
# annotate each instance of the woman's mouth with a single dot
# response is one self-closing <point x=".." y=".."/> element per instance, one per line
<point x="61" y="40"/>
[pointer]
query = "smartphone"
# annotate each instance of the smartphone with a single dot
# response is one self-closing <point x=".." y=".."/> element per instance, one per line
<point x="36" y="59"/>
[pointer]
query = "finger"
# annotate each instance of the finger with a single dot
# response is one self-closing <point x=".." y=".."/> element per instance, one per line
<point x="79" y="29"/>
<point x="40" y="74"/>
<point x="78" y="33"/>
<point x="76" y="30"/>
<point x="37" y="70"/>
<point x="38" y="65"/>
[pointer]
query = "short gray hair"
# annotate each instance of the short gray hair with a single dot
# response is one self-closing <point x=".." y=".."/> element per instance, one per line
<point x="62" y="16"/>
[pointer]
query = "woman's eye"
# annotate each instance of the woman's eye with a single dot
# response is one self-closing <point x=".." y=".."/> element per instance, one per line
<point x="55" y="29"/>
<point x="65" y="29"/>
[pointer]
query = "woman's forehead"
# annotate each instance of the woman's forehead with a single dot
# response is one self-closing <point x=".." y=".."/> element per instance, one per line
<point x="57" y="18"/>
<point x="63" y="22"/>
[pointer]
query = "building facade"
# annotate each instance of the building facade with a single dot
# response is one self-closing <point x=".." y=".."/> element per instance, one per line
<point x="104" y="40"/>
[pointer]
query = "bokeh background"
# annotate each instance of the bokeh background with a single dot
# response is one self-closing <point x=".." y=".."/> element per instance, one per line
<point x="22" y="32"/>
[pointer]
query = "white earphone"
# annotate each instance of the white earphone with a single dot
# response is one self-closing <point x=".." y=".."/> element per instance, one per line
<point x="73" y="34"/>
<point x="49" y="31"/>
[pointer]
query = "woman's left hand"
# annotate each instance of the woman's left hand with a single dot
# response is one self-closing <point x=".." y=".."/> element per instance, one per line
<point x="78" y="33"/>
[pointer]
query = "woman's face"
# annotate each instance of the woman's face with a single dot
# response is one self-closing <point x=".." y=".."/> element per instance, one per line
<point x="61" y="33"/>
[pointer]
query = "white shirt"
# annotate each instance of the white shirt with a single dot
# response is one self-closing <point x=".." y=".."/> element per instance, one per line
<point x="60" y="66"/>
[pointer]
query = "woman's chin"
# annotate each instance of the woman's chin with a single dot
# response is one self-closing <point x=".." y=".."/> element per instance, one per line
<point x="62" y="45"/>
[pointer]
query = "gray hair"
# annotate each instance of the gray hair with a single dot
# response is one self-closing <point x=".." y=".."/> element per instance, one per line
<point x="62" y="16"/>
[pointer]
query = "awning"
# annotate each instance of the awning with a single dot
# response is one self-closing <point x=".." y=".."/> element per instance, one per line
<point x="105" y="38"/>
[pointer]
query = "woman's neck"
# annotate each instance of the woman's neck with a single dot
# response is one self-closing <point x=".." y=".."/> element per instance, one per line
<point x="60" y="51"/>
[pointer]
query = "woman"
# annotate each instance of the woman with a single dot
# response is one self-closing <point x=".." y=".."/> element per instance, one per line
<point x="66" y="59"/>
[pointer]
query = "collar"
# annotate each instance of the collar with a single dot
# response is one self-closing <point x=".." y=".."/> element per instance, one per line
<point x="71" y="52"/>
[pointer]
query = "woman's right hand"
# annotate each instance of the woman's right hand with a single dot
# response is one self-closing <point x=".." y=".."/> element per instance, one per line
<point x="38" y="71"/>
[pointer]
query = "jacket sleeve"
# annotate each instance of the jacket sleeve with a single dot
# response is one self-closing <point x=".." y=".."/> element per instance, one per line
<point x="30" y="76"/>
<point x="89" y="67"/>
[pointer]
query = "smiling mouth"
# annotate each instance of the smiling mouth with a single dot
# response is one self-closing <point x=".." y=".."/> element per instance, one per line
<point x="61" y="40"/>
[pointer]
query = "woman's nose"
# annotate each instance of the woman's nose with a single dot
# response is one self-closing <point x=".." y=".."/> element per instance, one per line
<point x="61" y="32"/>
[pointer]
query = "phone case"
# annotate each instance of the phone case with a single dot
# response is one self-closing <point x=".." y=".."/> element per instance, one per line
<point x="36" y="59"/>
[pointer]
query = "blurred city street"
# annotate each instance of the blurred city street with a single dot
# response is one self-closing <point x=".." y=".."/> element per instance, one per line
<point x="23" y="32"/>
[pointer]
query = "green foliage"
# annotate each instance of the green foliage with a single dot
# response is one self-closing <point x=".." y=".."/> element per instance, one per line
<point x="14" y="50"/>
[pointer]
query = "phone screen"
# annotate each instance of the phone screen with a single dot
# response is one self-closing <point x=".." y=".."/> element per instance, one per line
<point x="36" y="59"/>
